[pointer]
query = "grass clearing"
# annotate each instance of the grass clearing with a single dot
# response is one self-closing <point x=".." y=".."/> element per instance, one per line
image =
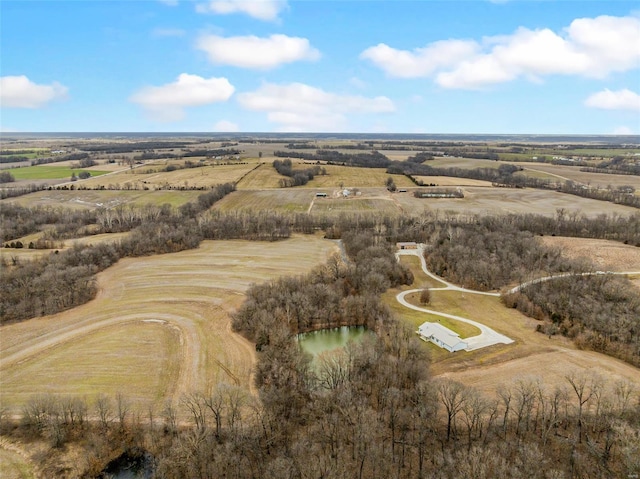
<point x="152" y="176"/>
<point x="82" y="199"/>
<point x="295" y="200"/>
<point x="353" y="177"/>
<point x="607" y="255"/>
<point x="48" y="172"/>
<point x="187" y="297"/>
<point x="451" y="181"/>
<point x="355" y="205"/>
<point x="478" y="200"/>
<point x="14" y="466"/>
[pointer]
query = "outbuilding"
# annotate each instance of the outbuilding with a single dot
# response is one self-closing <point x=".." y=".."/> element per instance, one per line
<point x="407" y="245"/>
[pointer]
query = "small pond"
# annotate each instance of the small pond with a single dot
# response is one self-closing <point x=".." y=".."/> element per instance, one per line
<point x="318" y="342"/>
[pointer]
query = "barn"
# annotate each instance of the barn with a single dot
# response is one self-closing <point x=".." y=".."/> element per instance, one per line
<point x="407" y="245"/>
<point x="441" y="336"/>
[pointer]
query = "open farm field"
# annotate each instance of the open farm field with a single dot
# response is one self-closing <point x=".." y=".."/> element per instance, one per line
<point x="479" y="200"/>
<point x="573" y="173"/>
<point x="295" y="200"/>
<point x="457" y="162"/>
<point x="159" y="328"/>
<point x="151" y="176"/>
<point x="104" y="198"/>
<point x="379" y="205"/>
<point x="49" y="172"/>
<point x="451" y="181"/>
<point x="605" y="254"/>
<point x="265" y="176"/>
<point x="353" y="177"/>
<point x="8" y="255"/>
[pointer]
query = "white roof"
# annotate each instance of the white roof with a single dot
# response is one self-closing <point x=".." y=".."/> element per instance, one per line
<point x="439" y="332"/>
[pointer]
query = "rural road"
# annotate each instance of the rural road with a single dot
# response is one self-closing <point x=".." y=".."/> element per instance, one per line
<point x="487" y="337"/>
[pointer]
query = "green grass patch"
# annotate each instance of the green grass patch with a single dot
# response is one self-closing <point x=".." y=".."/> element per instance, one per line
<point x="47" y="172"/>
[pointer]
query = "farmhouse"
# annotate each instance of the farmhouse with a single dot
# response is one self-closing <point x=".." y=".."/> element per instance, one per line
<point x="407" y="245"/>
<point x="441" y="336"/>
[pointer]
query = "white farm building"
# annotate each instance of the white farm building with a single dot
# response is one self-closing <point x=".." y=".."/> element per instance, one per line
<point x="441" y="336"/>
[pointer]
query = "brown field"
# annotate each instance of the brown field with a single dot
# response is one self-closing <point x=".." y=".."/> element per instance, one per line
<point x="328" y="206"/>
<point x="451" y="181"/>
<point x="606" y="255"/>
<point x="532" y="353"/>
<point x="265" y="176"/>
<point x="479" y="200"/>
<point x="150" y="175"/>
<point x="573" y="173"/>
<point x="82" y="199"/>
<point x="281" y="200"/>
<point x="160" y="326"/>
<point x="467" y="163"/>
<point x="352" y="177"/>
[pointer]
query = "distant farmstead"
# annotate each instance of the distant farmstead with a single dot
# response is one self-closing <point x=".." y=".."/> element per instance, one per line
<point x="407" y="245"/>
<point x="441" y="336"/>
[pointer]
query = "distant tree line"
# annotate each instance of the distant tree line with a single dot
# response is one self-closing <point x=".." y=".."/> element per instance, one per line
<point x="132" y="147"/>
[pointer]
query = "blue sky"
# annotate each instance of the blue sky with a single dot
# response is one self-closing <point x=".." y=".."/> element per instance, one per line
<point x="480" y="66"/>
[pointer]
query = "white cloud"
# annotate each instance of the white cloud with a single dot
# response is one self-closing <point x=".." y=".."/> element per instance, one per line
<point x="226" y="126"/>
<point x="300" y="107"/>
<point x="261" y="9"/>
<point x="589" y="47"/>
<point x="614" y="100"/>
<point x="167" y="102"/>
<point x="255" y="52"/>
<point x="421" y="61"/>
<point x="20" y="92"/>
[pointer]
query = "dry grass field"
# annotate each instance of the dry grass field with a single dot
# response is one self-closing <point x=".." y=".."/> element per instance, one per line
<point x="81" y="199"/>
<point x="150" y="175"/>
<point x="510" y="200"/>
<point x="573" y="173"/>
<point x="160" y="326"/>
<point x="329" y="206"/>
<point x="532" y="353"/>
<point x="13" y="465"/>
<point x="606" y="255"/>
<point x="451" y="181"/>
<point x="295" y="200"/>
<point x="352" y="177"/>
<point x="263" y="177"/>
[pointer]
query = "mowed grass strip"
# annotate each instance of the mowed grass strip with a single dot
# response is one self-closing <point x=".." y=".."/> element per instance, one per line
<point x="48" y="172"/>
<point x="108" y="361"/>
